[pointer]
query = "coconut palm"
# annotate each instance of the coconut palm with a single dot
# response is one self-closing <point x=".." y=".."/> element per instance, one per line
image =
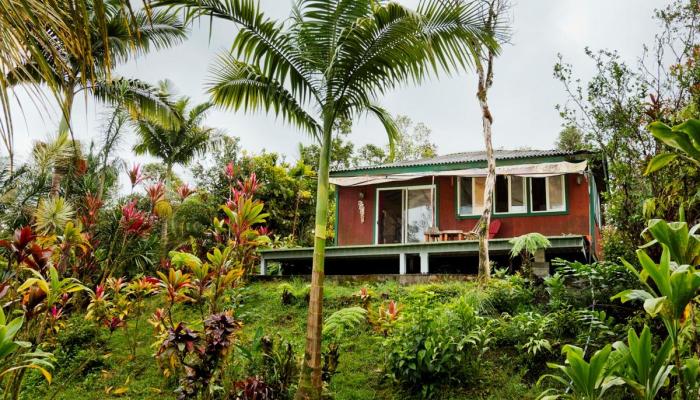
<point x="115" y="35"/>
<point x="333" y="59"/>
<point x="177" y="141"/>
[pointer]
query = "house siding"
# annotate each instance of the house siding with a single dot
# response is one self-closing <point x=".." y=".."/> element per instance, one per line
<point x="351" y="231"/>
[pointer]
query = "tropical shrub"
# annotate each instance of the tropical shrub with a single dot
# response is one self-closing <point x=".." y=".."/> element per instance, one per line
<point x="427" y="348"/>
<point x="582" y="379"/>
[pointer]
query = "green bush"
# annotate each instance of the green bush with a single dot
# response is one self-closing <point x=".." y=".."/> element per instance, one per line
<point x="508" y="296"/>
<point x="435" y="346"/>
<point x="191" y="219"/>
<point x="616" y="245"/>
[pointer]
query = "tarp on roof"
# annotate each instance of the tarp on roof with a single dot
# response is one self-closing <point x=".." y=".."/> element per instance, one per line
<point x="525" y="170"/>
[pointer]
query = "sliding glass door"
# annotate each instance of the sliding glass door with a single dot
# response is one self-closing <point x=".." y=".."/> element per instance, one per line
<point x="404" y="214"/>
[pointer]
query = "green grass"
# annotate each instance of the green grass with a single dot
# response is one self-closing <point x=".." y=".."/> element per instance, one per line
<point x="98" y="364"/>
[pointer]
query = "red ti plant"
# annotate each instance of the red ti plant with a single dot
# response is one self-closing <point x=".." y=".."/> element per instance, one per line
<point x="156" y="192"/>
<point x="365" y="296"/>
<point x="134" y="221"/>
<point x="135" y="176"/>
<point x="184" y="191"/>
<point x="199" y="354"/>
<point x="230" y="171"/>
<point x="92" y="208"/>
<point x="19" y="246"/>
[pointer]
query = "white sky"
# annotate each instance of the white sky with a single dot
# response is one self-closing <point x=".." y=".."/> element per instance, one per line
<point x="522" y="98"/>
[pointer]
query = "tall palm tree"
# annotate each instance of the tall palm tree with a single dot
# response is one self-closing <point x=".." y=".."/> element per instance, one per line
<point x="116" y="34"/>
<point x="175" y="143"/>
<point x="333" y="59"/>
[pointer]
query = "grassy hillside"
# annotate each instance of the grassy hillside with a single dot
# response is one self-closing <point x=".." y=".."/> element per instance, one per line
<point x="96" y="364"/>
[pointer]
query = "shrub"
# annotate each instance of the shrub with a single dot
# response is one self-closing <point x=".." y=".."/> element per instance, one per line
<point x="192" y="218"/>
<point x="616" y="245"/>
<point x="508" y="296"/>
<point x="429" y="347"/>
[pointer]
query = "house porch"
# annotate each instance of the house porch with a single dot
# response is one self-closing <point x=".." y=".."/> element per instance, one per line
<point x="410" y="258"/>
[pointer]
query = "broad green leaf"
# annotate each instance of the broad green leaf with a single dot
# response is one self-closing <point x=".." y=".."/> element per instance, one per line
<point x="659" y="162"/>
<point x="656" y="305"/>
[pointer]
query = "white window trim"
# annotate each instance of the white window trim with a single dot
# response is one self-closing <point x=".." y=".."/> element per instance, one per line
<point x="475" y="212"/>
<point x="404" y="206"/>
<point x="547" y="200"/>
<point x="522" y="209"/>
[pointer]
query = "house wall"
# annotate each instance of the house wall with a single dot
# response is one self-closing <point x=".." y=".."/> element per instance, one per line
<point x="351" y="231"/>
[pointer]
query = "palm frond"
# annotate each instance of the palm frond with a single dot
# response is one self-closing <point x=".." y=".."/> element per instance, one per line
<point x="138" y="97"/>
<point x="392" y="130"/>
<point x="260" y="40"/>
<point x="48" y="155"/>
<point x="238" y="85"/>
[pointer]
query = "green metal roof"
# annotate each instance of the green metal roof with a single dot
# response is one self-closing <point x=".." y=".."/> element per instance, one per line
<point x="465" y="159"/>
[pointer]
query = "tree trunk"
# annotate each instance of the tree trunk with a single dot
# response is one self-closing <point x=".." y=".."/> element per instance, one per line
<point x="485" y="220"/>
<point x="485" y="81"/>
<point x="310" y="378"/>
<point x="164" y="228"/>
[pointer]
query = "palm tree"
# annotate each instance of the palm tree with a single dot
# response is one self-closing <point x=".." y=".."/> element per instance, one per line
<point x="331" y="60"/>
<point x="54" y="34"/>
<point x="175" y="142"/>
<point x="115" y="34"/>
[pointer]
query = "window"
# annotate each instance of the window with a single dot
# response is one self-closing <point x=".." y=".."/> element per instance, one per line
<point x="547" y="194"/>
<point x="471" y="195"/>
<point x="510" y="194"/>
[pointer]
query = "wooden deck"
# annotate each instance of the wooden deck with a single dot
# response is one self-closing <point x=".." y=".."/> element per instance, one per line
<point x="568" y="243"/>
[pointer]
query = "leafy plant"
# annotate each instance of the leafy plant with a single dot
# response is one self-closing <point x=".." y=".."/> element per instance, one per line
<point x="11" y="356"/>
<point x="342" y="321"/>
<point x="582" y="379"/>
<point x="644" y="371"/>
<point x="526" y="246"/>
<point x="684" y="137"/>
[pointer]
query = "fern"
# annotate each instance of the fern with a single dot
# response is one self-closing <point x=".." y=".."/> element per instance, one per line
<point x="528" y="244"/>
<point x="342" y="321"/>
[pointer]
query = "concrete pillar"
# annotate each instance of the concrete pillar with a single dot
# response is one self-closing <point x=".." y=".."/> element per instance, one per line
<point x="424" y="263"/>
<point x="263" y="266"/>
<point x="402" y="263"/>
<point x="540" y="267"/>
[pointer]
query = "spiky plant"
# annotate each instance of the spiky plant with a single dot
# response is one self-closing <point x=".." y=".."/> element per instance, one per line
<point x="52" y="214"/>
<point x="332" y="60"/>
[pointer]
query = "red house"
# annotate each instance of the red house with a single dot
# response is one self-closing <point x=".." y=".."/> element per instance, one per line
<point x="417" y="216"/>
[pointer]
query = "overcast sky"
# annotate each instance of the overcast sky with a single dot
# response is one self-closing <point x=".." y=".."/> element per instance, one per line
<point x="522" y="99"/>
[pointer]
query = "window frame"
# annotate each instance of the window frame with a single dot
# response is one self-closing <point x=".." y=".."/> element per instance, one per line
<point x="459" y="197"/>
<point x="528" y="211"/>
<point x="524" y="209"/>
<point x="549" y="210"/>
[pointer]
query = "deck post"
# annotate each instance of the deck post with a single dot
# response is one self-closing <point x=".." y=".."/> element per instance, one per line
<point x="424" y="263"/>
<point x="263" y="265"/>
<point x="402" y="263"/>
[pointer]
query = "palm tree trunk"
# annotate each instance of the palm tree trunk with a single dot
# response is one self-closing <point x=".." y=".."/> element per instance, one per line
<point x="64" y="125"/>
<point x="310" y="378"/>
<point x="164" y="229"/>
<point x="66" y="109"/>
